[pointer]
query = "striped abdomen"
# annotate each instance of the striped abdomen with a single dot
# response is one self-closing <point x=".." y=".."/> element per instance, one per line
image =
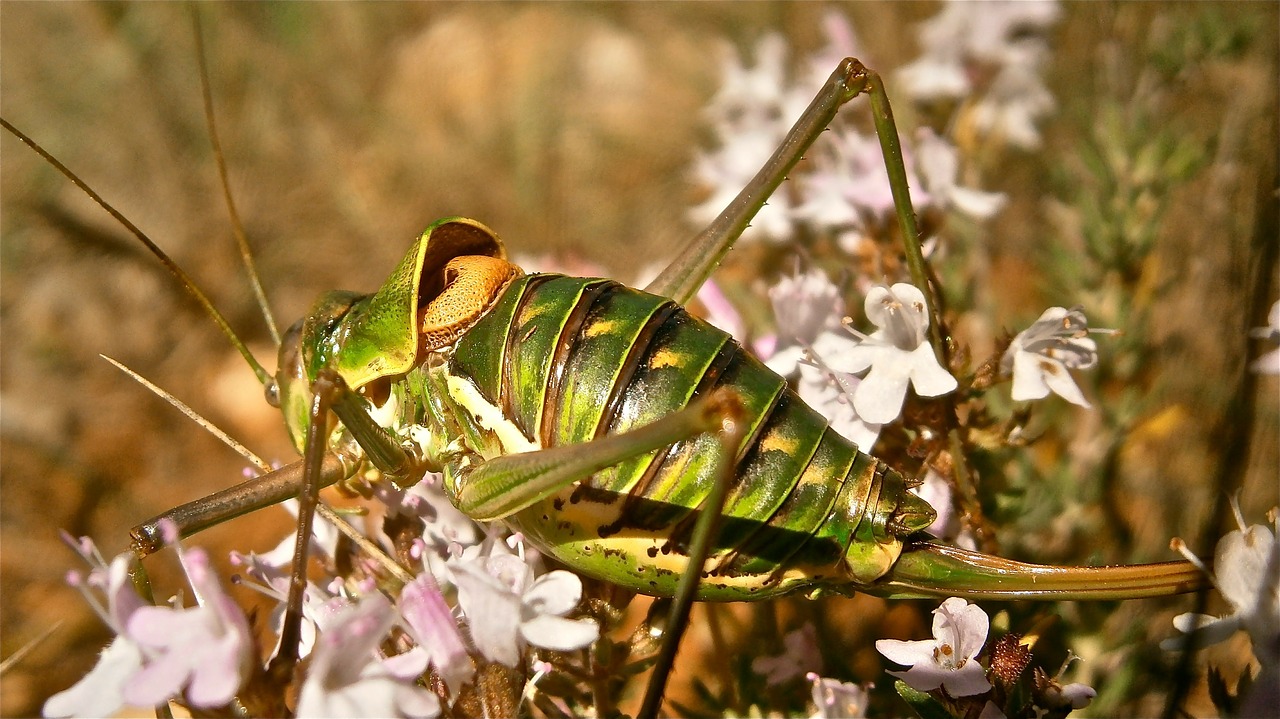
<point x="570" y="359"/>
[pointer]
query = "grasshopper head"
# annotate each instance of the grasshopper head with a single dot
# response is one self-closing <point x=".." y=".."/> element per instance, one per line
<point x="307" y="338"/>
<point x="450" y="277"/>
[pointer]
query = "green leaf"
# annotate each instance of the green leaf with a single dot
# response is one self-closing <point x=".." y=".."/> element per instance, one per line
<point x="925" y="706"/>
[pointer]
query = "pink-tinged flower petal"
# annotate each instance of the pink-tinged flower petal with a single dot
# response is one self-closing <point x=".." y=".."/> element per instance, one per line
<point x="939" y="164"/>
<point x="808" y="310"/>
<point x="158" y="626"/>
<point x="785" y="360"/>
<point x="204" y="649"/>
<point x="216" y="683"/>
<point x="510" y="571"/>
<point x="835" y="344"/>
<point x="799" y="656"/>
<point x="346" y="701"/>
<point x="922" y="677"/>
<point x="432" y="625"/>
<point x="931" y="77"/>
<point x="408" y="666"/>
<point x="493" y="611"/>
<point x="556" y="593"/>
<point x="558" y="633"/>
<point x="101" y="691"/>
<point x="348" y="679"/>
<point x="856" y="358"/>
<point x="720" y="311"/>
<point x="122" y="598"/>
<point x="937" y="492"/>
<point x="412" y="701"/>
<point x="347" y="648"/>
<point x="835" y="699"/>
<point x="157" y="682"/>
<point x="976" y="203"/>
<point x="831" y="394"/>
<point x="765" y="347"/>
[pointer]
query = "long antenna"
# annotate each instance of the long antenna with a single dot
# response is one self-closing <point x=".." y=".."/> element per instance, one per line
<point x="237" y="227"/>
<point x="263" y="376"/>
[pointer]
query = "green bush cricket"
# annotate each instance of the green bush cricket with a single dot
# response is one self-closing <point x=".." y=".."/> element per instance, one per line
<point x="886" y="521"/>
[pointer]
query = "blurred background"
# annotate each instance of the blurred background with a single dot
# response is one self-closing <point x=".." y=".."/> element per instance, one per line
<point x="571" y="129"/>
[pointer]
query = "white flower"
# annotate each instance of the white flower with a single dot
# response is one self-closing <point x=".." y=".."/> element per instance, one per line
<point x="731" y="168"/>
<point x="835" y="699"/>
<point x="444" y="527"/>
<point x="993" y="51"/>
<point x="827" y="198"/>
<point x="849" y="183"/>
<point x="750" y="116"/>
<point x="1246" y="570"/>
<point x="1269" y="363"/>
<point x="808" y="310"/>
<point x="101" y="691"/>
<point x="947" y="660"/>
<point x="504" y="604"/>
<point x="346" y="677"/>
<point x="842" y="42"/>
<point x="896" y="354"/>
<point x="939" y="165"/>
<point x="752" y="92"/>
<point x="205" y="649"/>
<point x="799" y="653"/>
<point x="1040" y="355"/>
<point x="1016" y="100"/>
<point x="271" y="571"/>
<point x="160" y="652"/>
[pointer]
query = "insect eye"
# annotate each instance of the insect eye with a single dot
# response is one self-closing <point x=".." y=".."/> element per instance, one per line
<point x="271" y="390"/>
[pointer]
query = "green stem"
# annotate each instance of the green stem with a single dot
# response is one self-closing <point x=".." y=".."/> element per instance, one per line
<point x="891" y="147"/>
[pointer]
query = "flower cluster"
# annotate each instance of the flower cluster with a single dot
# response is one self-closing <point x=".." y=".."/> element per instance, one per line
<point x="844" y="191"/>
<point x="991" y="54"/>
<point x="367" y="653"/>
<point x="160" y="652"/>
